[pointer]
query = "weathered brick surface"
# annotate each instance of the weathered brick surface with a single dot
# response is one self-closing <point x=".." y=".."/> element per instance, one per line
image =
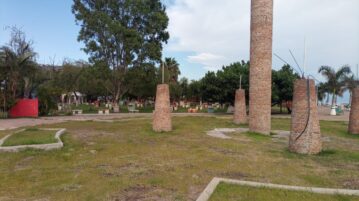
<point x="162" y="114"/>
<point x="354" y="113"/>
<point x="305" y="137"/>
<point x="260" y="66"/>
<point x="240" y="112"/>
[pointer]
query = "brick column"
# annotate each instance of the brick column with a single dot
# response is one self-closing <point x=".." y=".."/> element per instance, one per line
<point x="162" y="114"/>
<point x="240" y="111"/>
<point x="354" y="113"/>
<point x="305" y="137"/>
<point x="260" y="80"/>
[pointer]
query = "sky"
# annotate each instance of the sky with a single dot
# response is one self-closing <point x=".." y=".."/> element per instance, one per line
<point x="207" y="34"/>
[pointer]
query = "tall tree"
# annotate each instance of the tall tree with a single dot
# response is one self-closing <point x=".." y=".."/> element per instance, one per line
<point x="17" y="66"/>
<point x="350" y="84"/>
<point x="122" y="33"/>
<point x="172" y="70"/>
<point x="335" y="79"/>
<point x="282" y="87"/>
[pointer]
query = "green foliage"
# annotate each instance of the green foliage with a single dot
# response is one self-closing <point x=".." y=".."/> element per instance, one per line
<point x="142" y="81"/>
<point x="282" y="87"/>
<point x="48" y="98"/>
<point x="121" y="34"/>
<point x="17" y="68"/>
<point x="336" y="80"/>
<point x="31" y="136"/>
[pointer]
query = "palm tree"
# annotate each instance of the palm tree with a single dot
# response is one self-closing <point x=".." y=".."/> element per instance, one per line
<point x="17" y="66"/>
<point x="351" y="84"/>
<point x="173" y="70"/>
<point x="336" y="80"/>
<point x="323" y="92"/>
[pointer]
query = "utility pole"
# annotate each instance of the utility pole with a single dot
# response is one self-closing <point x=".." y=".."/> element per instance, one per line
<point x="163" y="72"/>
<point x="240" y="82"/>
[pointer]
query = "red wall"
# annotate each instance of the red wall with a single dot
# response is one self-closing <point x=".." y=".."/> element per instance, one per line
<point x="25" y="108"/>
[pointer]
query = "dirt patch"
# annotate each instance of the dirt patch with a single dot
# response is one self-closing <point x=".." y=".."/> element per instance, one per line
<point x="351" y="183"/>
<point x="234" y="175"/>
<point x="23" y="164"/>
<point x="140" y="193"/>
<point x="87" y="135"/>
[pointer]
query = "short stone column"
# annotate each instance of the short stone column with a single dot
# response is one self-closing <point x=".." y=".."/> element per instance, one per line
<point x="162" y="114"/>
<point x="305" y="137"/>
<point x="240" y="111"/>
<point x="354" y="113"/>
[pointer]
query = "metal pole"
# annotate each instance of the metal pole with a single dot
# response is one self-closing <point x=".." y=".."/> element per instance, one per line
<point x="305" y="56"/>
<point x="163" y="72"/>
<point x="357" y="72"/>
<point x="240" y="82"/>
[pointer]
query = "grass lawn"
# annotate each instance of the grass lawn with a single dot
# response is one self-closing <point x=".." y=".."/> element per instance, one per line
<point x="244" y="193"/>
<point x="31" y="136"/>
<point x="125" y="160"/>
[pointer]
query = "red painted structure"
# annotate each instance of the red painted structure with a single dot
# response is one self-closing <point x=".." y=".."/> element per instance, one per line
<point x="25" y="108"/>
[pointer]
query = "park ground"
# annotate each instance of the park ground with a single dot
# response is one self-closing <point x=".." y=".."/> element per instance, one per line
<point x="124" y="159"/>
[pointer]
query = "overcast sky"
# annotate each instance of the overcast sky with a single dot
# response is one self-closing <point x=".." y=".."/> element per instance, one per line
<point x="212" y="33"/>
<point x="207" y="34"/>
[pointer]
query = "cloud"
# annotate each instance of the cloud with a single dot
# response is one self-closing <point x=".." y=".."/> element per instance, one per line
<point x="210" y="28"/>
<point x="210" y="61"/>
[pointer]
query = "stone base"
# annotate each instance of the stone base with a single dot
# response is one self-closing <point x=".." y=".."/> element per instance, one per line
<point x="240" y="111"/>
<point x="354" y="113"/>
<point x="162" y="121"/>
<point x="305" y="137"/>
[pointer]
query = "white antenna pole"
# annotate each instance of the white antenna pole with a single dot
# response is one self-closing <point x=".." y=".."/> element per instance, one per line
<point x="305" y="56"/>
<point x="240" y="82"/>
<point x="357" y="71"/>
<point x="163" y="72"/>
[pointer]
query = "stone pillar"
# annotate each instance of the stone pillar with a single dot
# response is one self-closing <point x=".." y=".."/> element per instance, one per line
<point x="260" y="80"/>
<point x="305" y="135"/>
<point x="162" y="114"/>
<point x="240" y="111"/>
<point x="354" y="113"/>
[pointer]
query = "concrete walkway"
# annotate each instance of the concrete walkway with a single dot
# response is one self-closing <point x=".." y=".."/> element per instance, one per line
<point x="6" y="124"/>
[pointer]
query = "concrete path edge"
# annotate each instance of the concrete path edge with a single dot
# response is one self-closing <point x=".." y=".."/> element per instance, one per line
<point x="208" y="191"/>
<point x="57" y="145"/>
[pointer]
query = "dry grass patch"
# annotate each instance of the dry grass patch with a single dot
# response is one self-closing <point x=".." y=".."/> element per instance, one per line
<point x="109" y="161"/>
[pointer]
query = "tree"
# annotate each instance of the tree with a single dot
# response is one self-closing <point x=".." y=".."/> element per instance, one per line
<point x="17" y="67"/>
<point x="194" y="91"/>
<point x="229" y="80"/>
<point x="282" y="87"/>
<point x="183" y="83"/>
<point x="172" y="70"/>
<point x="323" y="91"/>
<point x="122" y="34"/>
<point x="142" y="81"/>
<point x="336" y="80"/>
<point x="350" y="84"/>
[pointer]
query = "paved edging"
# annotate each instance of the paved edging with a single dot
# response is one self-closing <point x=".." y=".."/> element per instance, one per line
<point x="206" y="194"/>
<point x="57" y="145"/>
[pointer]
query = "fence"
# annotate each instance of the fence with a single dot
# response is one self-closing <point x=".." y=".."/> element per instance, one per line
<point x="3" y="114"/>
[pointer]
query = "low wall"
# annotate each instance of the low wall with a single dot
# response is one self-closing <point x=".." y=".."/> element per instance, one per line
<point x="25" y="108"/>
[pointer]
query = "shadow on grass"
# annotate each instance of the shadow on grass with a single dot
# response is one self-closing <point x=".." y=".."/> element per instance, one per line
<point x="328" y="154"/>
<point x="257" y="136"/>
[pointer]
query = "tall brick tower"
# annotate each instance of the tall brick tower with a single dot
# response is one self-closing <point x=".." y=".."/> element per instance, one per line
<point x="260" y="81"/>
<point x="354" y="113"/>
